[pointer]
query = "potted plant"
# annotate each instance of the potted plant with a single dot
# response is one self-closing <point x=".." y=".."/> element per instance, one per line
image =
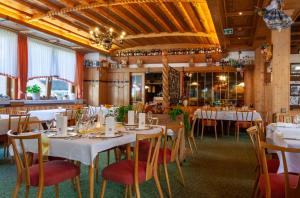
<point x="35" y="91"/>
<point x="122" y="111"/>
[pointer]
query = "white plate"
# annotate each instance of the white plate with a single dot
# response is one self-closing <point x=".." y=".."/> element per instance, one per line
<point x="103" y="135"/>
<point x="140" y="129"/>
<point x="62" y="136"/>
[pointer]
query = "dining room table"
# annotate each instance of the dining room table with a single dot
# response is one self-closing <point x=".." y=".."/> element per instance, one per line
<point x="228" y="115"/>
<point x="85" y="148"/>
<point x="285" y="135"/>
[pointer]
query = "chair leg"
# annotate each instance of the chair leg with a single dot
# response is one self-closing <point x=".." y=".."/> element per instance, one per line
<point x="228" y="128"/>
<point x="157" y="184"/>
<point x="198" y="128"/>
<point x="195" y="145"/>
<point x="216" y="134"/>
<point x="180" y="171"/>
<point x="77" y="180"/>
<point x="17" y="188"/>
<point x="202" y="132"/>
<point x="103" y="188"/>
<point x="27" y="191"/>
<point x="167" y="179"/>
<point x="189" y="141"/>
<point x="56" y="190"/>
<point x="222" y="128"/>
<point x="137" y="189"/>
<point x="97" y="168"/>
<point x="126" y="191"/>
<point x="40" y="192"/>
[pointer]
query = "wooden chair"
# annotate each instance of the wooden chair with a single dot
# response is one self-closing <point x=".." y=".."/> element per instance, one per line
<point x="273" y="164"/>
<point x="71" y="117"/>
<point x="283" y="117"/>
<point x="41" y="174"/>
<point x="21" y="119"/>
<point x="209" y="119"/>
<point x="191" y="137"/>
<point x="133" y="172"/>
<point x="273" y="185"/>
<point x="244" y="120"/>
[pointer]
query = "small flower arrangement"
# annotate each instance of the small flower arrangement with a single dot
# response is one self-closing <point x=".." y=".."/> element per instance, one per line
<point x="33" y="89"/>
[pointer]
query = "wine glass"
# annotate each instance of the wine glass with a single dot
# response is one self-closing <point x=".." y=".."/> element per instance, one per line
<point x="149" y="117"/>
<point x="49" y="124"/>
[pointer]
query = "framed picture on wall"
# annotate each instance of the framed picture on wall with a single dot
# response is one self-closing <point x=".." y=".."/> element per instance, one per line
<point x="295" y="69"/>
<point x="295" y="90"/>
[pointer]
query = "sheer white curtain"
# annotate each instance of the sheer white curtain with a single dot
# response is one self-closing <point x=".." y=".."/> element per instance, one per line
<point x="40" y="59"/>
<point x="8" y="53"/>
<point x="66" y="64"/>
<point x="49" y="60"/>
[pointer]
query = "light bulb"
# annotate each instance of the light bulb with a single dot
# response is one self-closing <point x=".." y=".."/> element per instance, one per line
<point x="111" y="29"/>
<point x="96" y="29"/>
<point x="91" y="32"/>
<point x="123" y="33"/>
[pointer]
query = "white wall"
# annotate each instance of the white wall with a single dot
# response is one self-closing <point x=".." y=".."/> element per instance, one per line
<point x="97" y="57"/>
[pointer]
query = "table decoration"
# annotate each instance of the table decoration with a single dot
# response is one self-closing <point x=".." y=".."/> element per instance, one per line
<point x="142" y="120"/>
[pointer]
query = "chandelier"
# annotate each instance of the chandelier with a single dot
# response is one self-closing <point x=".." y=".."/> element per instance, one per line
<point x="105" y="39"/>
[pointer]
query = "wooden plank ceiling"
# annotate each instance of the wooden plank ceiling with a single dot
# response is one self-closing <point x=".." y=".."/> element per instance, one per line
<point x="148" y="23"/>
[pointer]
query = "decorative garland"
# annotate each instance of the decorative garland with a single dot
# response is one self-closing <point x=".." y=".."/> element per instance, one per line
<point x="158" y="52"/>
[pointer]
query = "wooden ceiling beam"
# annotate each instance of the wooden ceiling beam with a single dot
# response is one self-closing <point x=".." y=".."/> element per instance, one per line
<point x="131" y="21"/>
<point x="141" y="17"/>
<point x="172" y="18"/>
<point x="187" y="17"/>
<point x="157" y="18"/>
<point x="170" y="34"/>
<point x="87" y="5"/>
<point x="13" y="15"/>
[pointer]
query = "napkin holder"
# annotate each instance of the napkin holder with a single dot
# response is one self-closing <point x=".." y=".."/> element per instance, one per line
<point x="142" y="120"/>
<point x="109" y="125"/>
<point x="130" y="117"/>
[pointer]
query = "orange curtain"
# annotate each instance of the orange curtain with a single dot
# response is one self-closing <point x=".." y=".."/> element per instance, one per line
<point x="79" y="74"/>
<point x="23" y="65"/>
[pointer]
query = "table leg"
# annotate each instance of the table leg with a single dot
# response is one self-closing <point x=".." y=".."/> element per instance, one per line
<point x="91" y="181"/>
<point x="128" y="151"/>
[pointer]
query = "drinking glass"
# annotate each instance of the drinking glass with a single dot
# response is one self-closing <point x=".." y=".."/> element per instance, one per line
<point x="149" y="116"/>
<point x="49" y="124"/>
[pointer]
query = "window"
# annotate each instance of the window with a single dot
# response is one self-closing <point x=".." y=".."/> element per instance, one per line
<point x="60" y="88"/>
<point x="41" y="82"/>
<point x="46" y="60"/>
<point x="3" y="85"/>
<point x="8" y="53"/>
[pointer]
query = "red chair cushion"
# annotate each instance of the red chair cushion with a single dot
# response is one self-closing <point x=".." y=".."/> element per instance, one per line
<point x="277" y="184"/>
<point x="273" y="165"/>
<point x="54" y="172"/>
<point x="123" y="172"/>
<point x="243" y="124"/>
<point x="209" y="122"/>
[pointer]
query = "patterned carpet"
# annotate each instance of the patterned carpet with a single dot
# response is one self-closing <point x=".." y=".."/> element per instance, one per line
<point x="220" y="169"/>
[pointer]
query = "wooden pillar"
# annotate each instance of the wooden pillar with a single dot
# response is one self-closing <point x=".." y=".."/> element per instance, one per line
<point x="165" y="77"/>
<point x="248" y="79"/>
<point x="258" y="78"/>
<point x="280" y="79"/>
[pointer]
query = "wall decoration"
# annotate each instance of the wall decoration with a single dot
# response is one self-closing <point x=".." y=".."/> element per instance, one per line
<point x="174" y="86"/>
<point x="267" y="51"/>
<point x="295" y="86"/>
<point x="295" y="69"/>
<point x="158" y="52"/>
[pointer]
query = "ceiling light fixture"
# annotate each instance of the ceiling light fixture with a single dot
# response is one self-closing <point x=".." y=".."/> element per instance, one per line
<point x="240" y="13"/>
<point x="105" y="39"/>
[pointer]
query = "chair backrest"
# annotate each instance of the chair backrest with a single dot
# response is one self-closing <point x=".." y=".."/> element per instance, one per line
<point x="253" y="133"/>
<point x="21" y="156"/>
<point x="283" y="117"/>
<point x="153" y="152"/>
<point x="21" y="119"/>
<point x="194" y="120"/>
<point x="244" y="116"/>
<point x="32" y="125"/>
<point x="290" y="192"/>
<point x="177" y="128"/>
<point x="209" y="114"/>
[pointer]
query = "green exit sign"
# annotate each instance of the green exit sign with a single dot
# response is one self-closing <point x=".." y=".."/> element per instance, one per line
<point x="228" y="31"/>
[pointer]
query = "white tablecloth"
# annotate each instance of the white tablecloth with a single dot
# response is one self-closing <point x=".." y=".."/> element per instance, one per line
<point x="44" y="115"/>
<point x="276" y="135"/>
<point x="227" y="115"/>
<point x="85" y="149"/>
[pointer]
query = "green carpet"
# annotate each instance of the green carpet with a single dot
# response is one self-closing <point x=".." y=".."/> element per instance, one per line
<point x="219" y="170"/>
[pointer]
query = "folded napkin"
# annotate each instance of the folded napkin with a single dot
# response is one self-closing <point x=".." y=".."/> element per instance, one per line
<point x="110" y="125"/>
<point x="131" y="117"/>
<point x="142" y="120"/>
<point x="61" y="124"/>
